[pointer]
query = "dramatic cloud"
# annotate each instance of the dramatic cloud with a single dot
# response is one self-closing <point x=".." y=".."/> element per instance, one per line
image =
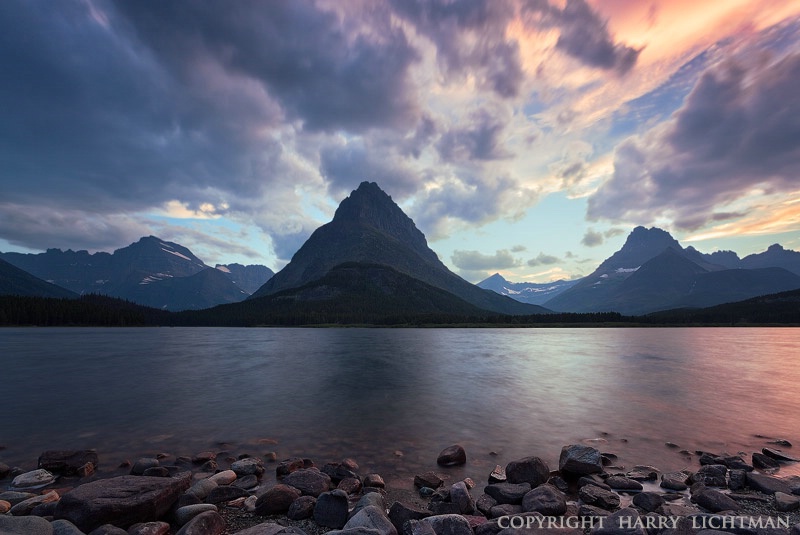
<point x="480" y="139"/>
<point x="735" y="135"/>
<point x="476" y="261"/>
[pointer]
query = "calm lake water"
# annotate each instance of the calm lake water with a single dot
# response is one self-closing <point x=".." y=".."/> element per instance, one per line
<point x="393" y="398"/>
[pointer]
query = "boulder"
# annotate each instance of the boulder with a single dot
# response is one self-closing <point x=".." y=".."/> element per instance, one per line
<point x="459" y="495"/>
<point x="225" y="494"/>
<point x="33" y="480"/>
<point x="29" y="525"/>
<point x="623" y="522"/>
<point x="762" y="462"/>
<point x="622" y="483"/>
<point x="276" y="500"/>
<point x="577" y="459"/>
<point x="545" y="499"/>
<point x="766" y="484"/>
<point x="184" y="514"/>
<point x="401" y="512"/>
<point x="648" y="501"/>
<point x="448" y="524"/>
<point x="786" y="503"/>
<point x="498" y="475"/>
<point x="452" y="456"/>
<point x="372" y="517"/>
<point x="675" y="481"/>
<point x="712" y="475"/>
<point x="302" y="508"/>
<point x="143" y="464"/>
<point x="25" y="507"/>
<point x="121" y="501"/>
<point x="67" y="462"/>
<point x="208" y="523"/>
<point x="248" y="466"/>
<point x="109" y="529"/>
<point x="530" y="470"/>
<point x="510" y="493"/>
<point x="226" y="477"/>
<point x="778" y="455"/>
<point x="374" y="480"/>
<point x="714" y="501"/>
<point x="331" y="509"/>
<point x="309" y="481"/>
<point x="287" y="466"/>
<point x="428" y="479"/>
<point x="643" y="473"/>
<point x="599" y="497"/>
<point x="65" y="527"/>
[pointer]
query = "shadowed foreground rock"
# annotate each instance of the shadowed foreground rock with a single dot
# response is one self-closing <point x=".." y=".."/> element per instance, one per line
<point x="121" y="501"/>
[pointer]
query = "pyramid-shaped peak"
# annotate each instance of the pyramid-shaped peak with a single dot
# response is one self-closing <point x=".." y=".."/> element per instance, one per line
<point x="368" y="201"/>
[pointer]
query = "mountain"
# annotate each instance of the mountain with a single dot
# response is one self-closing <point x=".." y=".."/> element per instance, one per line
<point x="14" y="281"/>
<point x="369" y="228"/>
<point x="774" y="256"/>
<point x="150" y="272"/>
<point x="774" y="309"/>
<point x="653" y="272"/>
<point x="527" y="292"/>
<point x="249" y="278"/>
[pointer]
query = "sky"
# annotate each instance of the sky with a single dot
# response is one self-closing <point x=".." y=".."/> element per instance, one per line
<point x="525" y="137"/>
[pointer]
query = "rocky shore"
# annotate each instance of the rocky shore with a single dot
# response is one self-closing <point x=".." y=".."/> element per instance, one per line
<point x="212" y="494"/>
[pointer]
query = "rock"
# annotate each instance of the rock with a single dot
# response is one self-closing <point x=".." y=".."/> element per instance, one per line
<point x="426" y="492"/>
<point x="309" y="481"/>
<point x="484" y="504"/>
<point x="599" y="497"/>
<point x="372" y="517"/>
<point x="331" y="509"/>
<point x="712" y="475"/>
<point x="505" y="509"/>
<point x="511" y="493"/>
<point x="340" y="471"/>
<point x="34" y="479"/>
<point x="545" y="499"/>
<point x="643" y="473"/>
<point x="67" y="462"/>
<point x="148" y="528"/>
<point x="208" y="523"/>
<point x="246" y="482"/>
<point x="762" y="462"/>
<point x="14" y="497"/>
<point x="428" y="479"/>
<point x="203" y="488"/>
<point x="225" y="494"/>
<point x="593" y="480"/>
<point x="65" y="527"/>
<point x="302" y="508"/>
<point x="530" y="470"/>
<point x="29" y="525"/>
<point x="778" y="455"/>
<point x="25" y="507"/>
<point x="622" y="483"/>
<point x="122" y="500"/>
<point x="351" y="485"/>
<point x="377" y="499"/>
<point x="560" y="483"/>
<point x="156" y="471"/>
<point x="737" y="479"/>
<point x="675" y="481"/>
<point x="4" y="507"/>
<point x="418" y="527"/>
<point x="766" y="484"/>
<point x="444" y="508"/>
<point x="648" y="501"/>
<point x="44" y="509"/>
<point x="786" y="502"/>
<point x="459" y="495"/>
<point x="287" y="466"/>
<point x="184" y="514"/>
<point x="374" y="480"/>
<point x="498" y="475"/>
<point x="108" y="529"/>
<point x="452" y="456"/>
<point x="592" y="511"/>
<point x="623" y="522"/>
<point x="714" y="501"/>
<point x="401" y="512"/>
<point x="270" y="528"/>
<point x="226" y="477"/>
<point x="276" y="500"/>
<point x="448" y="524"/>
<point x="249" y="466"/>
<point x="578" y="460"/>
<point x="143" y="464"/>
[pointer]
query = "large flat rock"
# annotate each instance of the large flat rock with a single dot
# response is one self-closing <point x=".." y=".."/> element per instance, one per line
<point x="121" y="501"/>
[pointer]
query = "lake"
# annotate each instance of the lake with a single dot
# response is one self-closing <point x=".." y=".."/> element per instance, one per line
<point x="393" y="398"/>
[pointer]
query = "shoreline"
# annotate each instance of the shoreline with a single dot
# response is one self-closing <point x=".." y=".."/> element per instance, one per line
<point x="249" y="494"/>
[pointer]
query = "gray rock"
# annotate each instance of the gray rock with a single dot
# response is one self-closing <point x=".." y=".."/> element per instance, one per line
<point x="530" y="470"/>
<point x="203" y="488"/>
<point x="712" y="475"/>
<point x="249" y="466"/>
<point x="208" y="523"/>
<point x="354" y="531"/>
<point x="184" y="514"/>
<point x="331" y="509"/>
<point x="766" y="484"/>
<point x="623" y="483"/>
<point x="288" y="466"/>
<point x="309" y="481"/>
<point x="122" y="500"/>
<point x="428" y="479"/>
<point x="225" y="494"/>
<point x="737" y="479"/>
<point x="270" y="528"/>
<point x="762" y="462"/>
<point x="67" y="462"/>
<point x="599" y="497"/>
<point x="34" y="479"/>
<point x="25" y="507"/>
<point x="505" y="509"/>
<point x="622" y="522"/>
<point x="372" y="517"/>
<point x="715" y="501"/>
<point x="401" y="512"/>
<point x="417" y="527"/>
<point x="149" y="528"/>
<point x="351" y="485"/>
<point x="374" y="480"/>
<point x="444" y="508"/>
<point x="27" y="525"/>
<point x="247" y="482"/>
<point x="648" y="501"/>
<point x="448" y="524"/>
<point x="47" y="509"/>
<point x="643" y="473"/>
<point x="507" y="492"/>
<point x="302" y="508"/>
<point x="459" y="495"/>
<point x="157" y="471"/>
<point x="484" y="503"/>
<point x="13" y="497"/>
<point x="143" y="464"/>
<point x="778" y="455"/>
<point x="577" y="459"/>
<point x="592" y="511"/>
<point x="452" y="456"/>
<point x="371" y="498"/>
<point x="276" y="500"/>
<point x="108" y="529"/>
<point x="65" y="527"/>
<point x="786" y="502"/>
<point x="545" y="499"/>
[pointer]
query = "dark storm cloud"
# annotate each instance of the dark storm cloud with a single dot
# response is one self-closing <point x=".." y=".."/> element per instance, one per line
<point x="737" y="130"/>
<point x="585" y="36"/>
<point x="469" y="36"/>
<point x="479" y="139"/>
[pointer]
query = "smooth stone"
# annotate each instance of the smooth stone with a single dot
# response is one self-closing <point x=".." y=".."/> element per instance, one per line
<point x="354" y="531"/>
<point x="372" y="517"/>
<point x="545" y="499"/>
<point x="149" y="528"/>
<point x="4" y="507"/>
<point x="225" y="494"/>
<point x="428" y="479"/>
<point x="675" y="481"/>
<point x="226" y="477"/>
<point x="778" y="455"/>
<point x="448" y="524"/>
<point x="459" y="495"/>
<point x="715" y="501"/>
<point x="511" y="493"/>
<point x="622" y="522"/>
<point x="351" y="485"/>
<point x="505" y="509"/>
<point x="308" y="481"/>
<point x="737" y="479"/>
<point x="331" y="510"/>
<point x="29" y="525"/>
<point x="577" y="459"/>
<point x="766" y="484"/>
<point x="143" y="464"/>
<point x="108" y="529"/>
<point x="302" y="508"/>
<point x="454" y="455"/>
<point x="417" y="527"/>
<point x="374" y="480"/>
<point x="599" y="497"/>
<point x="592" y="511"/>
<point x="371" y="498"/>
<point x="203" y="457"/>
<point x="67" y="462"/>
<point x="184" y="514"/>
<point x="25" y="507"/>
<point x="157" y="471"/>
<point x="401" y="512"/>
<point x="287" y="466"/>
<point x="249" y="466"/>
<point x="203" y="488"/>
<point x="786" y="502"/>
<point x="65" y="527"/>
<point x="13" y="497"/>
<point x="444" y="508"/>
<point x="246" y="482"/>
<point x="122" y="500"/>
<point x="33" y="480"/>
<point x="46" y="509"/>
<point x="271" y="528"/>
<point x="648" y="501"/>
<point x="276" y="500"/>
<point x="622" y="483"/>
<point x="531" y="470"/>
<point x="208" y="523"/>
<point x="484" y="504"/>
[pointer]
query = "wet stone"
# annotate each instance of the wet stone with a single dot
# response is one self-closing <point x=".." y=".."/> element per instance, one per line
<point x="302" y="508"/>
<point x="428" y="479"/>
<point x="577" y="459"/>
<point x="507" y="492"/>
<point x="454" y="455"/>
<point x="531" y="470"/>
<point x="622" y="483"/>
<point x="599" y="497"/>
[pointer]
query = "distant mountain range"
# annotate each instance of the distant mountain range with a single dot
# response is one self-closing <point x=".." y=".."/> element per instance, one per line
<point x="535" y="293"/>
<point x="151" y="272"/>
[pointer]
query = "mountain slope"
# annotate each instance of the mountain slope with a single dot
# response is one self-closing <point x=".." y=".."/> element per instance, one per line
<point x="14" y="281"/>
<point x="368" y="227"/>
<point x="249" y="278"/>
